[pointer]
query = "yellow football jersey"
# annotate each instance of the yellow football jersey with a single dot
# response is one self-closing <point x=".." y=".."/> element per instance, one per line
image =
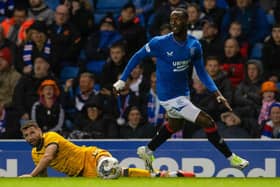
<point x="70" y="159"/>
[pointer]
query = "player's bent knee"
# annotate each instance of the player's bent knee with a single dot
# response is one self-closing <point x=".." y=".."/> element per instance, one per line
<point x="205" y="121"/>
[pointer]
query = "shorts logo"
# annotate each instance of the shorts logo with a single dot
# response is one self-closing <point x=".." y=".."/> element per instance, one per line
<point x="178" y="108"/>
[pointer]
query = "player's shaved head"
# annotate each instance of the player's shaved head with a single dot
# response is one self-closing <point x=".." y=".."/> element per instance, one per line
<point x="181" y="11"/>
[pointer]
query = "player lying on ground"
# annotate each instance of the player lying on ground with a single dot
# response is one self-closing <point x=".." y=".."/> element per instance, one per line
<point x="52" y="150"/>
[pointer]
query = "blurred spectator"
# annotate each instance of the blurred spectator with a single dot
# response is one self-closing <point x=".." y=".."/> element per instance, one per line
<point x="131" y="30"/>
<point x="8" y="77"/>
<point x="271" y="52"/>
<point x="114" y="66"/>
<point x="14" y="28"/>
<point x="4" y="42"/>
<point x="268" y="91"/>
<point x="211" y="42"/>
<point x="98" y="43"/>
<point x="82" y="18"/>
<point x="231" y="126"/>
<point x="93" y="123"/>
<point x="144" y="8"/>
<point x="135" y="127"/>
<point x="155" y="112"/>
<point x="212" y="12"/>
<point x="37" y="44"/>
<point x="203" y="99"/>
<point x="125" y="100"/>
<point x="47" y="111"/>
<point x="6" y="8"/>
<point x="235" y="31"/>
<point x="194" y="20"/>
<point x="25" y="93"/>
<point x="9" y="123"/>
<point x="162" y="13"/>
<point x="66" y="41"/>
<point x="271" y="127"/>
<point x="247" y="99"/>
<point x="138" y="83"/>
<point x="77" y="97"/>
<point x="39" y="10"/>
<point x="252" y="18"/>
<point x="212" y="66"/>
<point x="233" y="62"/>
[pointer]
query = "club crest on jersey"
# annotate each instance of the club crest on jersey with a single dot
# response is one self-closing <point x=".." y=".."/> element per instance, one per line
<point x="169" y="53"/>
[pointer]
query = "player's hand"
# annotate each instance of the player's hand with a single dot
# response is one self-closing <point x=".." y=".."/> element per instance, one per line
<point x="222" y="99"/>
<point x="25" y="176"/>
<point x="119" y="85"/>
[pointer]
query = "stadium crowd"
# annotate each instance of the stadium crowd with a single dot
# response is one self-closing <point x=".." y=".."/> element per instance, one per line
<point x="60" y="59"/>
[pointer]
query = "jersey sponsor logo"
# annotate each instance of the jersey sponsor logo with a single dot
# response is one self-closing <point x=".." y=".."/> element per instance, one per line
<point x="147" y="47"/>
<point x="180" y="65"/>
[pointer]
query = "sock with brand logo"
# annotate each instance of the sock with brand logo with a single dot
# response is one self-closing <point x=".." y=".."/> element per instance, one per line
<point x="161" y="136"/>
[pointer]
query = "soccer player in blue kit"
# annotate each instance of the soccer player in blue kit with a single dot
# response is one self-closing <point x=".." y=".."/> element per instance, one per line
<point x="176" y="52"/>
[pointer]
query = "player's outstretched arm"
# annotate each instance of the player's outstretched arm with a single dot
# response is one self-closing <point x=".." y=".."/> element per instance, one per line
<point x="45" y="161"/>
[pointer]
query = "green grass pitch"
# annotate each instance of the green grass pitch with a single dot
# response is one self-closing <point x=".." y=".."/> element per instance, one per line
<point x="140" y="182"/>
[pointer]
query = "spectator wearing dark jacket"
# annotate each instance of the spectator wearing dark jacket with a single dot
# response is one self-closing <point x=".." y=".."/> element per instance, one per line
<point x="233" y="62"/>
<point x="135" y="127"/>
<point x="247" y="98"/>
<point x="114" y="66"/>
<point x="211" y="42"/>
<point x="82" y="18"/>
<point x="66" y="40"/>
<point x="271" y="53"/>
<point x="212" y="12"/>
<point x="93" y="123"/>
<point x="25" y="93"/>
<point x="98" y="44"/>
<point x="252" y="18"/>
<point x="47" y="111"/>
<point x="9" y="123"/>
<point x="212" y="66"/>
<point x="129" y="26"/>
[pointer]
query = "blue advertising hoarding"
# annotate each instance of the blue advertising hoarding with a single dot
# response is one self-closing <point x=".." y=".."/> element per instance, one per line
<point x="191" y="155"/>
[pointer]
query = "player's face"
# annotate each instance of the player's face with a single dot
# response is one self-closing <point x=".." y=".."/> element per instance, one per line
<point x="178" y="22"/>
<point x="32" y="135"/>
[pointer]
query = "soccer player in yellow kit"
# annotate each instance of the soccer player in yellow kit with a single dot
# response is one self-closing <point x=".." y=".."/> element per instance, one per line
<point x="52" y="150"/>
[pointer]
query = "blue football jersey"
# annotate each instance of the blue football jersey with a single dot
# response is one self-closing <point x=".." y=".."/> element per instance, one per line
<point x="174" y="60"/>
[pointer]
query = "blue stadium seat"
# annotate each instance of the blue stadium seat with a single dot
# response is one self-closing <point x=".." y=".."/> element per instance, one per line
<point x="95" y="66"/>
<point x="52" y="3"/>
<point x="68" y="72"/>
<point x="110" y="5"/>
<point x="256" y="52"/>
